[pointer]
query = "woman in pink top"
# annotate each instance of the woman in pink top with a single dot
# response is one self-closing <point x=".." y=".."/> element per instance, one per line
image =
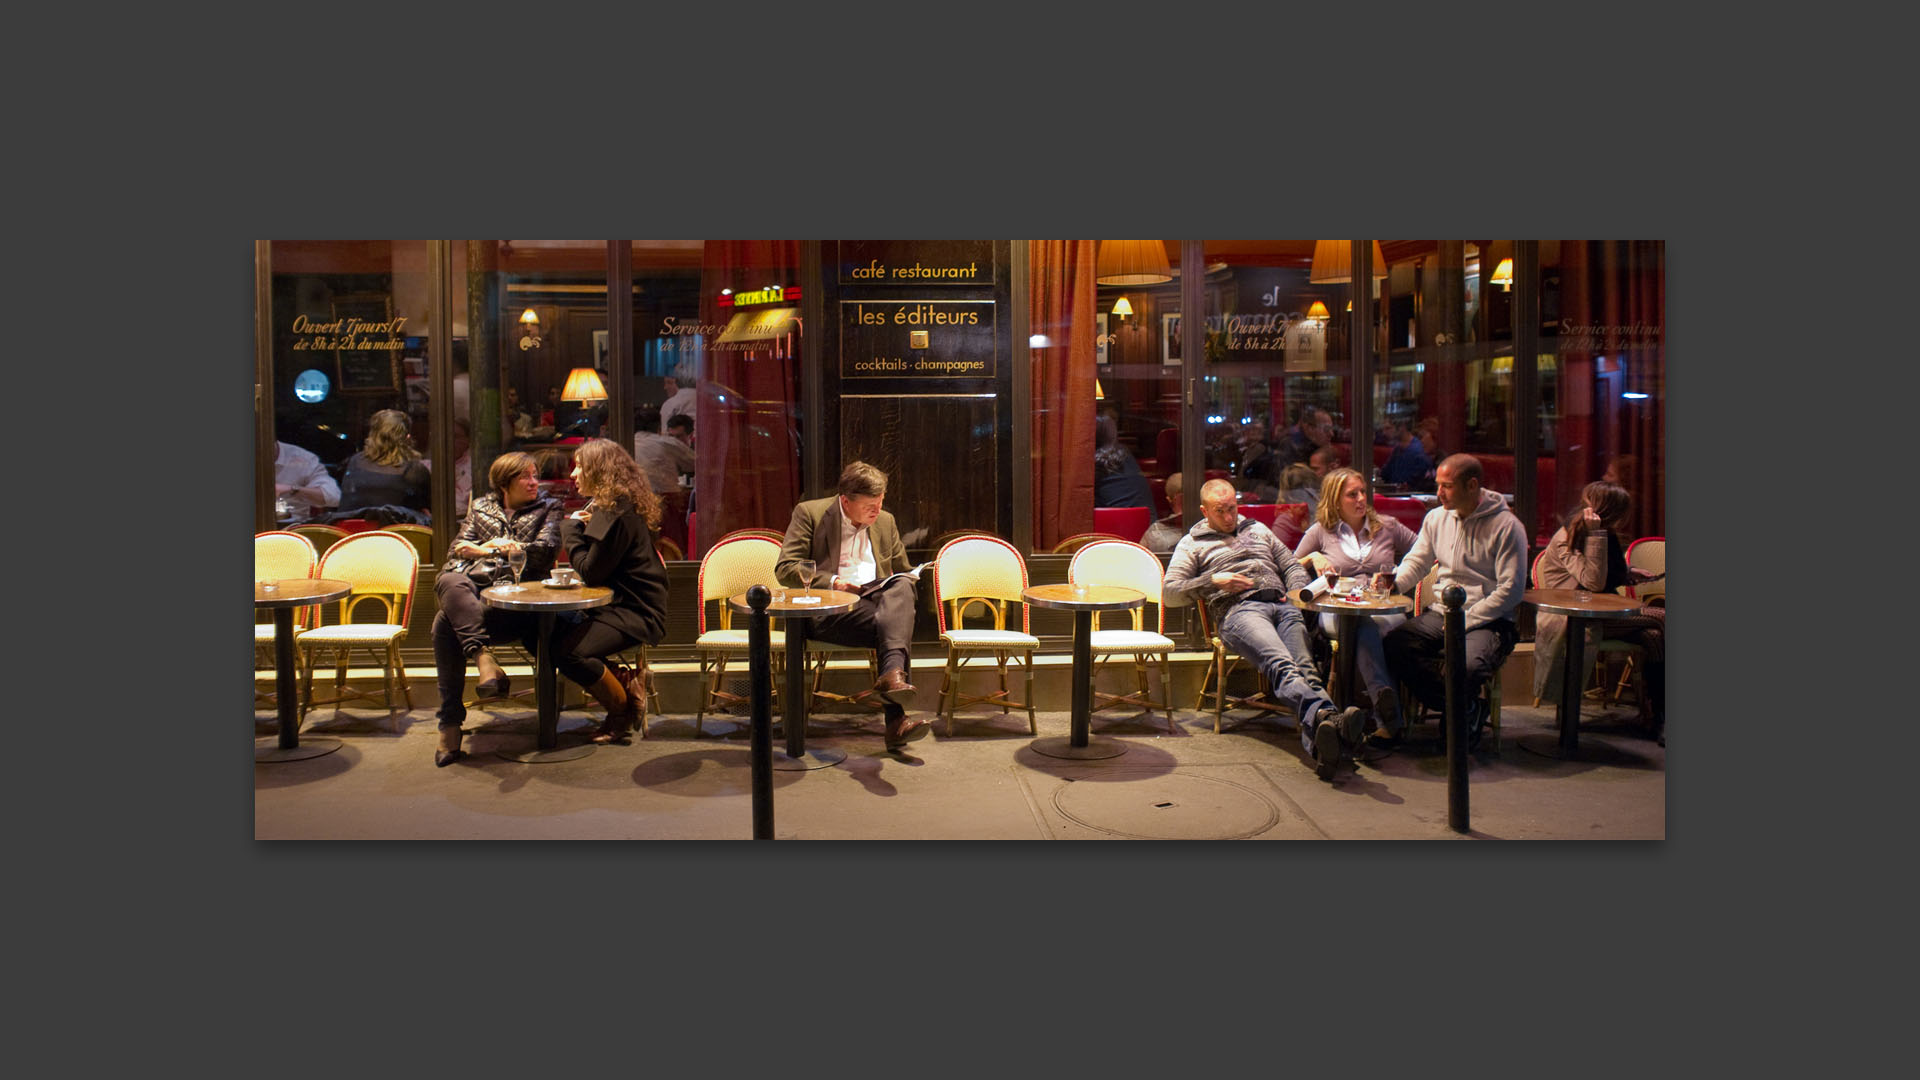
<point x="1354" y="539"/>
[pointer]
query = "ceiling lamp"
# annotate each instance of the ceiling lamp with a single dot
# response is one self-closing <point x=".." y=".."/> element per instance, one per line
<point x="1131" y="262"/>
<point x="1333" y="262"/>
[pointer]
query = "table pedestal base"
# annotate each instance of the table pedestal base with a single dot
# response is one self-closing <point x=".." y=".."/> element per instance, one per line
<point x="537" y="756"/>
<point x="1595" y="753"/>
<point x="808" y="759"/>
<point x="1061" y="746"/>
<point x="268" y="750"/>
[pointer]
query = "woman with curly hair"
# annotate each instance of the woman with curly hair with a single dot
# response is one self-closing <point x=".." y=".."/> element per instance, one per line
<point x="387" y="471"/>
<point x="610" y="543"/>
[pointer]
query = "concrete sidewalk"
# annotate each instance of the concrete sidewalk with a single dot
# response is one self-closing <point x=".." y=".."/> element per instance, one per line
<point x="985" y="782"/>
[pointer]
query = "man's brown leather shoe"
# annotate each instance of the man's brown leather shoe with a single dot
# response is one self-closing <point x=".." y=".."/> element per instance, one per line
<point x="894" y="687"/>
<point x="901" y="729"/>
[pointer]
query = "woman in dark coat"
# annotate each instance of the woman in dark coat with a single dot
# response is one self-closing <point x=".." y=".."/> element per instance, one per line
<point x="610" y="543"/>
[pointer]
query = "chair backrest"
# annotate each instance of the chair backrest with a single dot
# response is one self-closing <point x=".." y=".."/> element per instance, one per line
<point x="1074" y="543"/>
<point x="774" y="535"/>
<point x="730" y="568"/>
<point x="1124" y="563"/>
<point x="321" y="536"/>
<point x="1648" y="553"/>
<point x="280" y="554"/>
<point x="383" y="568"/>
<point x="978" y="568"/>
<point x="1166" y="449"/>
<point x="1260" y="512"/>
<point x="1533" y="575"/>
<point x="1125" y="522"/>
<point x="668" y="551"/>
<point x="420" y="536"/>
<point x="1406" y="510"/>
<point x="356" y="525"/>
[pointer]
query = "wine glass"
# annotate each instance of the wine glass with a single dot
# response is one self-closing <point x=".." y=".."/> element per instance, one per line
<point x="517" y="558"/>
<point x="808" y="570"/>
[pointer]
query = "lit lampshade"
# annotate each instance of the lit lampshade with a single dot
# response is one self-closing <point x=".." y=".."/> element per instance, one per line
<point x="1099" y="392"/>
<point x="529" y="319"/>
<point x="584" y="385"/>
<point x="1131" y="262"/>
<point x="1332" y="262"/>
<point x="1503" y="275"/>
<point x="1317" y="311"/>
<point x="1122" y="308"/>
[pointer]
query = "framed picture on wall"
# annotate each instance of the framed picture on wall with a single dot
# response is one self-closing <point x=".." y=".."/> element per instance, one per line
<point x="1100" y="338"/>
<point x="1170" y="338"/>
<point x="600" y="350"/>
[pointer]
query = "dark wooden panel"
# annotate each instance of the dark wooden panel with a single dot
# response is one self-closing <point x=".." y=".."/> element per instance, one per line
<point x="940" y="456"/>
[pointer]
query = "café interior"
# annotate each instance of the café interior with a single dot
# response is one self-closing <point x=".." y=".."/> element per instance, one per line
<point x="977" y="375"/>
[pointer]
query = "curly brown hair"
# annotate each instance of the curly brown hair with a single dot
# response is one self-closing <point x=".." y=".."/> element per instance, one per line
<point x="608" y="473"/>
<point x="387" y="439"/>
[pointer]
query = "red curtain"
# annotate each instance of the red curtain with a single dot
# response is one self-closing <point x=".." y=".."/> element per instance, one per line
<point x="1060" y="307"/>
<point x="1614" y="300"/>
<point x="745" y="423"/>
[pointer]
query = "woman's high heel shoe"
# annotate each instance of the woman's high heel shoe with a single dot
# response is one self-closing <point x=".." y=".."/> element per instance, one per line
<point x="493" y="682"/>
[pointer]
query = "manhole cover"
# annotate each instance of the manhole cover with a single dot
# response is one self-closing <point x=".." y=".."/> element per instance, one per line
<point x="1172" y="807"/>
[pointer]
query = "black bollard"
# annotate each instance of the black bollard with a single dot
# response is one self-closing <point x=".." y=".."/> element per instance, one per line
<point x="1454" y="630"/>
<point x="760" y="667"/>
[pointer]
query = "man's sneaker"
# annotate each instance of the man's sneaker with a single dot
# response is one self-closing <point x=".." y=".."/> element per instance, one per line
<point x="1326" y="745"/>
<point x="1476" y="723"/>
<point x="1352" y="721"/>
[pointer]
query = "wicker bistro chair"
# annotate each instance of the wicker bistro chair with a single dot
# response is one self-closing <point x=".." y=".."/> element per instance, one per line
<point x="279" y="555"/>
<point x="421" y="536"/>
<point x="321" y="536"/>
<point x="730" y="567"/>
<point x="987" y="571"/>
<point x="383" y="568"/>
<point x="1224" y="664"/>
<point x="1126" y="563"/>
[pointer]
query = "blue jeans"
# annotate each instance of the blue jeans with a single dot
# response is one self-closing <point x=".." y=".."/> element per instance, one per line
<point x="1274" y="638"/>
<point x="1370" y="658"/>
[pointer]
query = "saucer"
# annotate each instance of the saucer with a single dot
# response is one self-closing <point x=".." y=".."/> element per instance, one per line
<point x="552" y="584"/>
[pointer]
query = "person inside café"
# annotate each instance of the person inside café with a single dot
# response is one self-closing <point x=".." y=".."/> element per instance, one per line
<point x="510" y="515"/>
<point x="1589" y="552"/>
<point x="1117" y="480"/>
<point x="1312" y="429"/>
<point x="856" y="547"/>
<point x="301" y="479"/>
<point x="1407" y="465"/>
<point x="1163" y="535"/>
<point x="387" y="475"/>
<point x="610" y="543"/>
<point x="1480" y="546"/>
<point x="681" y="400"/>
<point x="1241" y="571"/>
<point x="1354" y="540"/>
<point x="665" y="459"/>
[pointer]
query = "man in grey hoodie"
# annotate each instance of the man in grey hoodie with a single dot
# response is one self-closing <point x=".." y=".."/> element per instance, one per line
<point x="1241" y="571"/>
<point x="1481" y="547"/>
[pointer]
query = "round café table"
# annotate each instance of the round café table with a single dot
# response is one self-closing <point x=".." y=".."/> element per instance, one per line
<point x="1580" y="607"/>
<point x="1346" y="634"/>
<point x="1083" y="601"/>
<point x="545" y="602"/>
<point x="797" y="611"/>
<point x="282" y="597"/>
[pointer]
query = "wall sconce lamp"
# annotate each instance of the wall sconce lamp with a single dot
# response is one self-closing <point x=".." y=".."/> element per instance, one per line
<point x="1122" y="308"/>
<point x="1099" y="392"/>
<point x="529" y="330"/>
<point x="1333" y="262"/>
<point x="1131" y="262"/>
<point x="1503" y="275"/>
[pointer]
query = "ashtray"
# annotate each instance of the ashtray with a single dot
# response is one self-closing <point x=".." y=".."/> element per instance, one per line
<point x="554" y="584"/>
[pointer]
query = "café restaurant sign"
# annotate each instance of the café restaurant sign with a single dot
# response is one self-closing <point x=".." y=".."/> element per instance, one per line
<point x="916" y="262"/>
<point x="916" y="339"/>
